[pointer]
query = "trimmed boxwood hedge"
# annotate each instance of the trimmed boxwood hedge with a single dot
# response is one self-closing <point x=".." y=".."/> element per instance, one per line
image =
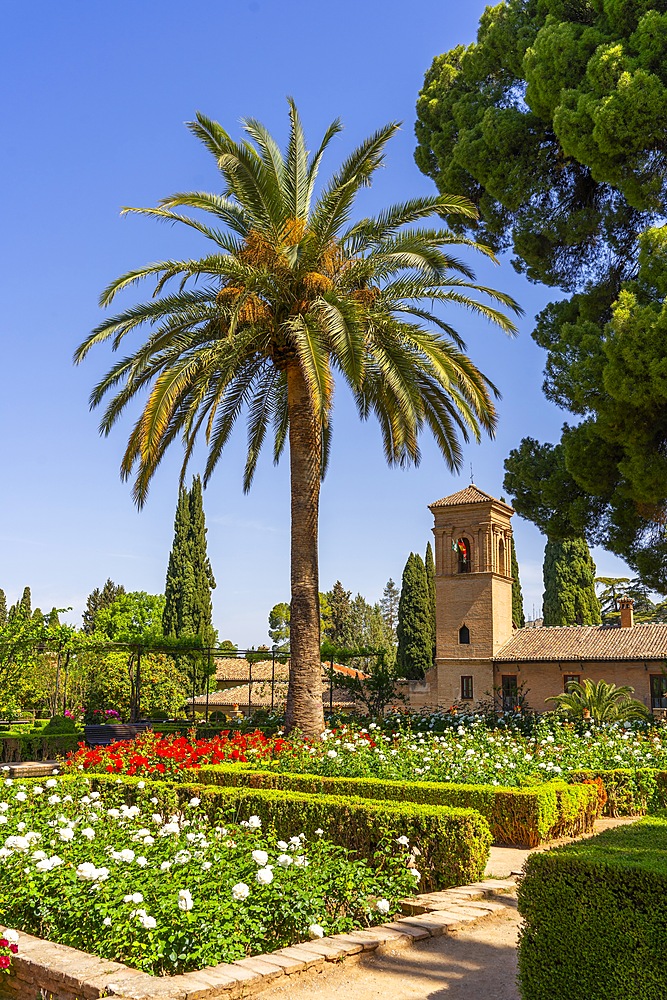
<point x="454" y="843"/>
<point x="519" y="816"/>
<point x="37" y="746"/>
<point x="629" y="792"/>
<point x="595" y="917"/>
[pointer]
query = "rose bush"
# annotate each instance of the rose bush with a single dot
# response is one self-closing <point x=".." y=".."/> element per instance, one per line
<point x="173" y="893"/>
<point x="467" y="751"/>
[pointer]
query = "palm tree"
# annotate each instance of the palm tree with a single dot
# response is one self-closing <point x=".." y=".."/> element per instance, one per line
<point x="291" y="291"/>
<point x="601" y="702"/>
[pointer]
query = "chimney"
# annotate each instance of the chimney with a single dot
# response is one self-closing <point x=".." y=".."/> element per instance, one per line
<point x="626" y="604"/>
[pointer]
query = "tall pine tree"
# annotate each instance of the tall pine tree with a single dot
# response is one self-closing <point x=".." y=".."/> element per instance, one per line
<point x="569" y="584"/>
<point x="518" y="617"/>
<point x="429" y="564"/>
<point x="99" y="599"/>
<point x="188" y="607"/>
<point x="389" y="605"/>
<point x="414" y="655"/>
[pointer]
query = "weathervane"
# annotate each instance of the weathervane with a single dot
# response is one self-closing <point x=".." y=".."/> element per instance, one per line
<point x="472" y="478"/>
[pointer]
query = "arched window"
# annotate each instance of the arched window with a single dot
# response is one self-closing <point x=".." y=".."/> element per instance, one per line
<point x="464" y="554"/>
<point x="464" y="635"/>
<point x="501" y="558"/>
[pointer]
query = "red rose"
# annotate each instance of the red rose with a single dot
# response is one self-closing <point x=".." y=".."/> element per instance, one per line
<point x="4" y="942"/>
<point x="14" y="948"/>
<point x="4" y="961"/>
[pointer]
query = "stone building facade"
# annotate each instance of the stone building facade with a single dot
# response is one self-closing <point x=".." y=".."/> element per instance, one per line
<point x="480" y="655"/>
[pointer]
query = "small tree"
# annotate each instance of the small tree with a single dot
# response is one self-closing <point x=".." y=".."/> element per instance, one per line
<point x="601" y="702"/>
<point x="376" y="688"/>
<point x="415" y="638"/>
<point x="3" y="608"/>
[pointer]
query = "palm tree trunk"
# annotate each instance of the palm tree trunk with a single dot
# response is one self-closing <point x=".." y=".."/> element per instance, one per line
<point x="305" y="711"/>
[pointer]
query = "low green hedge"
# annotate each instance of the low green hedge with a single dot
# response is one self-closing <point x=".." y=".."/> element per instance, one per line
<point x="35" y="746"/>
<point x="454" y="843"/>
<point x="629" y="792"/>
<point x="595" y="920"/>
<point x="525" y="816"/>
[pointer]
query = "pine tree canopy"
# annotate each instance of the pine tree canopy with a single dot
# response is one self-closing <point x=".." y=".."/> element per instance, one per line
<point x="414" y="655"/>
<point x="553" y="124"/>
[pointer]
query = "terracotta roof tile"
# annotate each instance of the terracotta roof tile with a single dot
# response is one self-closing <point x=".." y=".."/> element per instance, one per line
<point x="587" y="642"/>
<point x="236" y="669"/>
<point x="471" y="494"/>
<point x="261" y="697"/>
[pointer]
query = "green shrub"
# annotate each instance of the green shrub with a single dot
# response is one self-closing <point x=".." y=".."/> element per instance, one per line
<point x="454" y="843"/>
<point x="595" y="917"/>
<point x="35" y="746"/>
<point x="629" y="792"/>
<point x="526" y="816"/>
<point x="60" y="724"/>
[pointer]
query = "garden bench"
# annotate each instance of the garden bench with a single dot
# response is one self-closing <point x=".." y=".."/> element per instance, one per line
<point x="101" y="736"/>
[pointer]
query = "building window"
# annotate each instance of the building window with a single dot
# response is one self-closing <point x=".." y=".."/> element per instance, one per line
<point x="570" y="679"/>
<point x="466" y="689"/>
<point x="510" y="692"/>
<point x="464" y="635"/>
<point x="658" y="691"/>
<point x="464" y="554"/>
<point x="501" y="558"/>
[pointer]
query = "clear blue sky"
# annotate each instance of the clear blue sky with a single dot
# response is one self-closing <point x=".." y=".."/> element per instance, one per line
<point x="94" y="100"/>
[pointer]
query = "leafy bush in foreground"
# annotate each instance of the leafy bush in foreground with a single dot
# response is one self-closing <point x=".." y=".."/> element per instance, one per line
<point x="595" y="917"/>
<point x="168" y="892"/>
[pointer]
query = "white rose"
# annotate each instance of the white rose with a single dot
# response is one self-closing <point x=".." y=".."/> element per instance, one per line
<point x="11" y="936"/>
<point x="185" y="900"/>
<point x="150" y="923"/>
<point x="264" y="876"/>
<point x="260" y="857"/>
<point x="284" y="860"/>
<point x="240" y="891"/>
<point x="194" y="802"/>
<point x="382" y="906"/>
<point x="316" y="931"/>
<point x="254" y="823"/>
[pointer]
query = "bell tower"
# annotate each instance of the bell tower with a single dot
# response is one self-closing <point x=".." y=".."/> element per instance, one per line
<point x="473" y="583"/>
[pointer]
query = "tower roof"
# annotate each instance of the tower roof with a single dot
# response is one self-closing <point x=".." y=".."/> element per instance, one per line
<point x="471" y="494"/>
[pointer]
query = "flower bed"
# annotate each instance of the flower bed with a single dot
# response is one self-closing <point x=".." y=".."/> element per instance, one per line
<point x="470" y="753"/>
<point x="521" y="816"/>
<point x="168" y="892"/>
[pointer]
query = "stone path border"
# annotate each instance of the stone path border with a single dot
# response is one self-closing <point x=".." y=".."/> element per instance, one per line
<point x="69" y="974"/>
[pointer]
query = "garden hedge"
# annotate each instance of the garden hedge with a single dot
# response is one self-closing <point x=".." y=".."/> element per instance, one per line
<point x="629" y="792"/>
<point x="17" y="747"/>
<point x="595" y="917"/>
<point x="454" y="843"/>
<point x="519" y="816"/>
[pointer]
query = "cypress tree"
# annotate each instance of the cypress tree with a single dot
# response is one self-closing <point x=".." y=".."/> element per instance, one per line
<point x="429" y="564"/>
<point x="3" y="608"/>
<point x="25" y="603"/>
<point x="569" y="584"/>
<point x="415" y="642"/>
<point x="203" y="581"/>
<point x="188" y="608"/>
<point x="518" y="617"/>
<point x="178" y="578"/>
<point x="340" y="631"/>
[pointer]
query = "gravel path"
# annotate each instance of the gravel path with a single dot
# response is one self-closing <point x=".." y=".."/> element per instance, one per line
<point x="476" y="963"/>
